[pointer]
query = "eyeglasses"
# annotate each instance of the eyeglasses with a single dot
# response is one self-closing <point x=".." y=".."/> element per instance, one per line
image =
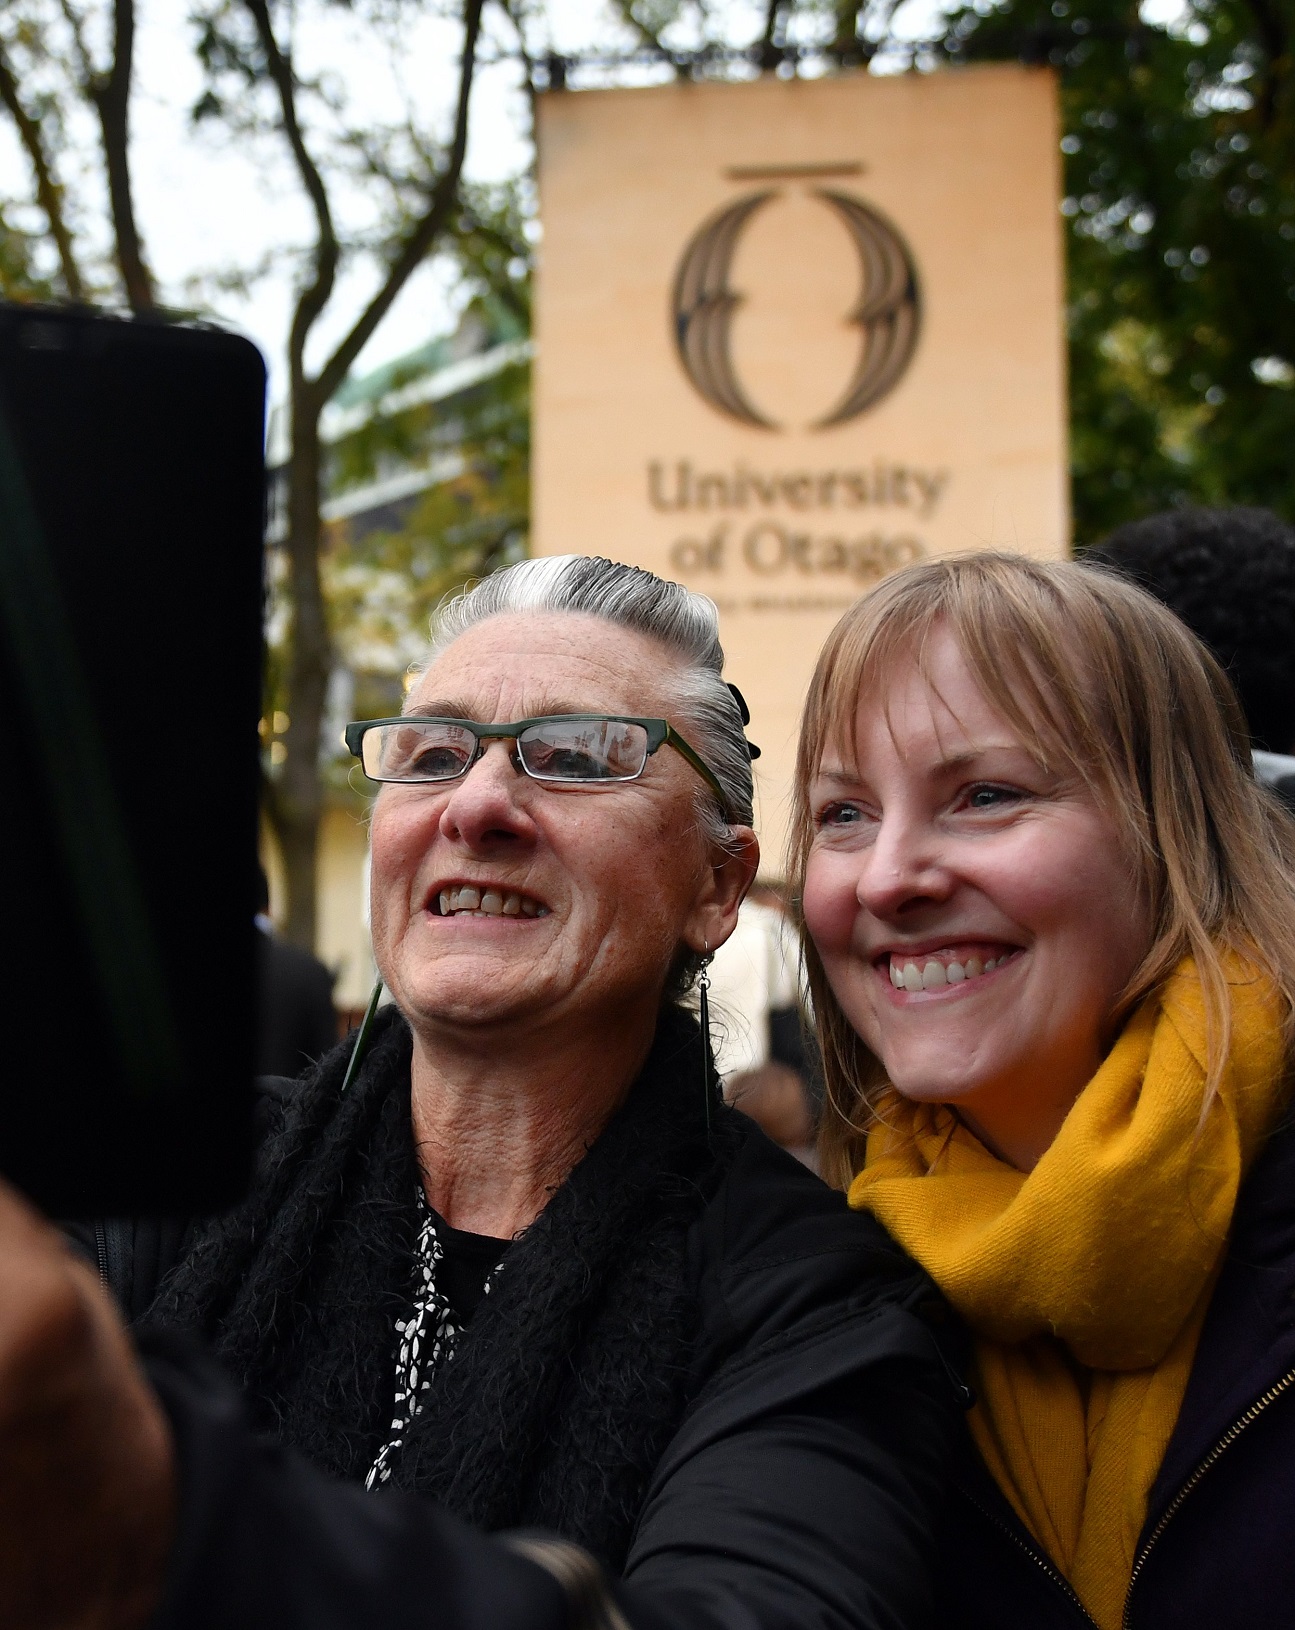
<point x="561" y="748"/>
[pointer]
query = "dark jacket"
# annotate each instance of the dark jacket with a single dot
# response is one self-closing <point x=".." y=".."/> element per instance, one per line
<point x="298" y="1022"/>
<point x="1218" y="1545"/>
<point x="801" y="1490"/>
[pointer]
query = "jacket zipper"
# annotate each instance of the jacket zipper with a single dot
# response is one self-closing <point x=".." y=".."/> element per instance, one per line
<point x="101" y="1251"/>
<point x="1225" y="1442"/>
<point x="1037" y="1557"/>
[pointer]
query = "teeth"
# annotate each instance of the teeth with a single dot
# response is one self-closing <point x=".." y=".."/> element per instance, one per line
<point x="473" y="902"/>
<point x="934" y="975"/>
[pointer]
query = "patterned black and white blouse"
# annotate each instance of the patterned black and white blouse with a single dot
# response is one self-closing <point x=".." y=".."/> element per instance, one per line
<point x="425" y="1341"/>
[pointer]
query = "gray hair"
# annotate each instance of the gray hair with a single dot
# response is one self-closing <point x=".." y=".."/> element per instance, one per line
<point x="687" y="624"/>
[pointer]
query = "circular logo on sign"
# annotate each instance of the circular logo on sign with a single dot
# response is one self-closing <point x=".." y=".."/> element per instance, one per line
<point x="887" y="314"/>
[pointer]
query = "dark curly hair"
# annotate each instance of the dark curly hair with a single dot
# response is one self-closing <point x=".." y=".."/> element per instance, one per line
<point x="1230" y="575"/>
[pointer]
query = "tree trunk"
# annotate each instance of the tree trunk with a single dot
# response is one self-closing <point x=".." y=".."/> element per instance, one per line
<point x="298" y="797"/>
<point x="112" y="99"/>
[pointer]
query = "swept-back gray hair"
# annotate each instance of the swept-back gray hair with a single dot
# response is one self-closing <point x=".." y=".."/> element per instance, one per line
<point x="686" y="624"/>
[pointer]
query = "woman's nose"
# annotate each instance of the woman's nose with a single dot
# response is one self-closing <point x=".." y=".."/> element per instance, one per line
<point x="903" y="870"/>
<point x="487" y="806"/>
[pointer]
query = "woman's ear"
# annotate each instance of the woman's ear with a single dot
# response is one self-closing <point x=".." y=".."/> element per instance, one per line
<point x="730" y="874"/>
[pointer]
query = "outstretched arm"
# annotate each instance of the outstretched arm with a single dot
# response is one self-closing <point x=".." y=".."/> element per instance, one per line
<point x="135" y="1496"/>
<point x="87" y="1487"/>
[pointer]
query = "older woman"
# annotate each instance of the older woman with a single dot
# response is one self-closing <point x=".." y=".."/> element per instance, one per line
<point x="513" y="1252"/>
<point x="1051" y="924"/>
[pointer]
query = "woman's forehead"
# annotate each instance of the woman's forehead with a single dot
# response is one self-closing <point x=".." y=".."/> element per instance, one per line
<point x="923" y="692"/>
<point x="545" y="662"/>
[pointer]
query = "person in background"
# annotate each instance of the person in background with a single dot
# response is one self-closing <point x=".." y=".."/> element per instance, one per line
<point x="758" y="1025"/>
<point x="1051" y="951"/>
<point x="298" y="1022"/>
<point x="1230" y="575"/>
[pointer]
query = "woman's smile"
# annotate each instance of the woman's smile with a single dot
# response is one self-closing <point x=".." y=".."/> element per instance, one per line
<point x="473" y="900"/>
<point x="950" y="970"/>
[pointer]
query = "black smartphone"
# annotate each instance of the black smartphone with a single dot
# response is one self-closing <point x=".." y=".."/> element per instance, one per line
<point x="132" y="494"/>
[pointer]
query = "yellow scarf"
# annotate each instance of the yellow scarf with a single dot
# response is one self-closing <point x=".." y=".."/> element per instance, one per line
<point x="1086" y="1280"/>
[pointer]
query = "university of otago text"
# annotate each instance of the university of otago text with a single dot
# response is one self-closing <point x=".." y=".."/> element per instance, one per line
<point x="799" y="522"/>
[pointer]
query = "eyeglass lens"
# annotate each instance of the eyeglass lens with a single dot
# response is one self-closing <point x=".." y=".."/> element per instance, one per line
<point x="584" y="750"/>
<point x="557" y="750"/>
<point x="418" y="751"/>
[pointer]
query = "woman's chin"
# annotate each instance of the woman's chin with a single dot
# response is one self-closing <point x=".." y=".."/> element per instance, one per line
<point x="942" y="1080"/>
<point x="470" y="994"/>
<point x="926" y="1091"/>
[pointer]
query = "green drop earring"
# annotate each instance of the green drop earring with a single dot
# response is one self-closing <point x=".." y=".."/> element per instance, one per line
<point x="361" y="1038"/>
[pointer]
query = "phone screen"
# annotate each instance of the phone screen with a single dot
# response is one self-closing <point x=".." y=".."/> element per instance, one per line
<point x="131" y="523"/>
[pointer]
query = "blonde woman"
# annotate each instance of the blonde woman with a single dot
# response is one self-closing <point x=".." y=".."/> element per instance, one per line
<point x="1051" y="943"/>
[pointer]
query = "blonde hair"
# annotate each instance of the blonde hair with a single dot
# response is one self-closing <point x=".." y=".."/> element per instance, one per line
<point x="1098" y="679"/>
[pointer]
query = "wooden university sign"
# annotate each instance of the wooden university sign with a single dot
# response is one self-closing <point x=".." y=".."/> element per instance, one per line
<point x="792" y="335"/>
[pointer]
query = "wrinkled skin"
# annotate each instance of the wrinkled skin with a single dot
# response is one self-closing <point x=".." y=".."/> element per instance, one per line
<point x="622" y="870"/>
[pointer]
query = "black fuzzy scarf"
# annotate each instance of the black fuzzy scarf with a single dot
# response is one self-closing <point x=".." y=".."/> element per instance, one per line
<point x="570" y="1378"/>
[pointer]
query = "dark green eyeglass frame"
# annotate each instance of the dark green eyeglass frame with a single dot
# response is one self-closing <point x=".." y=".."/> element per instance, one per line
<point x="660" y="733"/>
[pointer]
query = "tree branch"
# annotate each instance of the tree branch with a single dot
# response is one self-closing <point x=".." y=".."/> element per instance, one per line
<point x="850" y="46"/>
<point x="845" y="34"/>
<point x="314" y="297"/>
<point x="428" y="229"/>
<point x="48" y="192"/>
<point x="770" y="54"/>
<point x="648" y="36"/>
<point x="470" y="224"/>
<point x="513" y="13"/>
<point x="1272" y="32"/>
<point x="110" y="93"/>
<point x="76" y="27"/>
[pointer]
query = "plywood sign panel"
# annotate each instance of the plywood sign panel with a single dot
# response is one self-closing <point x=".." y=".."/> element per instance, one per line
<point x="792" y="335"/>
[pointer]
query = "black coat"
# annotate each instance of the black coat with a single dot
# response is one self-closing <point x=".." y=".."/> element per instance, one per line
<point x="801" y="1491"/>
<point x="1218" y="1545"/>
<point x="298" y="1022"/>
